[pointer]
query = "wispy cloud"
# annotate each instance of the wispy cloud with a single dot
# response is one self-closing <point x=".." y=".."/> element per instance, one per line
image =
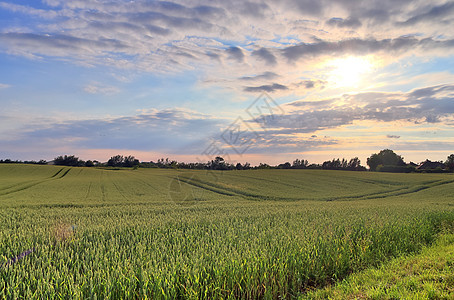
<point x="98" y="88"/>
<point x="172" y="130"/>
<point x="242" y="47"/>
<point x="27" y="10"/>
<point x="344" y="23"/>
<point x="266" y="88"/>
<point x="152" y="34"/>
<point x="264" y="76"/>
<point x="439" y="13"/>
<point x="427" y="105"/>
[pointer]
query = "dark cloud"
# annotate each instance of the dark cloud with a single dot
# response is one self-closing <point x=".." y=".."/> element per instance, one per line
<point x="437" y="103"/>
<point x="430" y="91"/>
<point x="265" y="55"/>
<point x="344" y="23"/>
<point x="306" y="7"/>
<point x="266" y="88"/>
<point x="309" y="84"/>
<point x="320" y="103"/>
<point x="253" y="9"/>
<point x="128" y="27"/>
<point x="263" y="76"/>
<point x="390" y="136"/>
<point x="235" y="53"/>
<point x="146" y="18"/>
<point x="62" y="44"/>
<point x="435" y="14"/>
<point x="361" y="47"/>
<point x="214" y="56"/>
<point x="376" y="15"/>
<point x="207" y="11"/>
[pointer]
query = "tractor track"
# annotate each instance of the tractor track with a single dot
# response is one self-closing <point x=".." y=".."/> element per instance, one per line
<point x="24" y="186"/>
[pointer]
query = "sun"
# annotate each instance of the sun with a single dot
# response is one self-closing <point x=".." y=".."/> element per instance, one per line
<point x="349" y="72"/>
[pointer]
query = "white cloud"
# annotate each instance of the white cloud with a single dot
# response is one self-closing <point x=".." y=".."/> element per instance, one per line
<point x="180" y="35"/>
<point x="4" y="86"/>
<point x="98" y="88"/>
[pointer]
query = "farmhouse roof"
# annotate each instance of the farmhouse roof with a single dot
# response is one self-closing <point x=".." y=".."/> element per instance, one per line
<point x="430" y="165"/>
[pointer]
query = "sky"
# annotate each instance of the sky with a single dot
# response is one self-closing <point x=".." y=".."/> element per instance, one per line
<point x="251" y="81"/>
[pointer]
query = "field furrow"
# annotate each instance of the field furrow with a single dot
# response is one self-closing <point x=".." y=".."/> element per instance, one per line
<point x="166" y="234"/>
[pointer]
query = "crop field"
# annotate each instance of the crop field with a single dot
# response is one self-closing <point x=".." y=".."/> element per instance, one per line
<point x="163" y="233"/>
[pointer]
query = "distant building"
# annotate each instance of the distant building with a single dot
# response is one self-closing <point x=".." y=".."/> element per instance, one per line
<point x="430" y="165"/>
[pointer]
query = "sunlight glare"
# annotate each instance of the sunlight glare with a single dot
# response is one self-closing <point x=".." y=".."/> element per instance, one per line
<point x="350" y="71"/>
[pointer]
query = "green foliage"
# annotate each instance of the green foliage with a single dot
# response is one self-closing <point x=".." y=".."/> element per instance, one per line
<point x="250" y="234"/>
<point x="68" y="160"/>
<point x="123" y="161"/>
<point x="450" y="162"/>
<point x="429" y="275"/>
<point x="395" y="169"/>
<point x="385" y="157"/>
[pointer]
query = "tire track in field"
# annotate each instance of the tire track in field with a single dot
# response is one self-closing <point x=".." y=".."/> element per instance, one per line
<point x="22" y="186"/>
<point x="58" y="172"/>
<point x="148" y="184"/>
<point x="417" y="189"/>
<point x="244" y="194"/>
<point x="16" y="184"/>
<point x="236" y="192"/>
<point x="226" y="191"/>
<point x="273" y="181"/>
<point x="301" y="187"/>
<point x="119" y="190"/>
<point x="88" y="191"/>
<point x="64" y="174"/>
<point x="391" y="193"/>
<point x="102" y="186"/>
<point x="378" y="195"/>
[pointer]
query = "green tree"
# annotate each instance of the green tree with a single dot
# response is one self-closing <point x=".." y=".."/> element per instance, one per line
<point x="68" y="160"/>
<point x="130" y="161"/>
<point x="116" y="161"/>
<point x="450" y="162"/>
<point x="385" y="157"/>
<point x="89" y="163"/>
<point x="354" y="164"/>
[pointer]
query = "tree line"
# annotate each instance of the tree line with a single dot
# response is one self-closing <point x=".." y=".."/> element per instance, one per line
<point x="384" y="161"/>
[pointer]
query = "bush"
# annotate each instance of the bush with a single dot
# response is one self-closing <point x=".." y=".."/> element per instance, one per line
<point x="395" y="169"/>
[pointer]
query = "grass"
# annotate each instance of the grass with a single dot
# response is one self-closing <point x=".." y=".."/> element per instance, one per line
<point x="158" y="234"/>
<point x="429" y="275"/>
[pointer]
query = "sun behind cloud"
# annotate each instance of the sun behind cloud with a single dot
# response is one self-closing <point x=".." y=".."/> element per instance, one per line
<point x="349" y="72"/>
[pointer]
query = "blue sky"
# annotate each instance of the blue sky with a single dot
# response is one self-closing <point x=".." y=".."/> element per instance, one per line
<point x="256" y="81"/>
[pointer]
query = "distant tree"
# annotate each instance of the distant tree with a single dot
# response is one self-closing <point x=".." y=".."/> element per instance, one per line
<point x="263" y="166"/>
<point x="116" y="161"/>
<point x="335" y="164"/>
<point x="239" y="166"/>
<point x="89" y="163"/>
<point x="131" y="161"/>
<point x="285" y="165"/>
<point x="68" y="160"/>
<point x="300" y="164"/>
<point x="385" y="157"/>
<point x="219" y="164"/>
<point x="450" y="162"/>
<point x="354" y="164"/>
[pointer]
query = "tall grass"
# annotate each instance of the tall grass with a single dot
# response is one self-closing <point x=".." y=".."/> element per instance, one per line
<point x="222" y="247"/>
